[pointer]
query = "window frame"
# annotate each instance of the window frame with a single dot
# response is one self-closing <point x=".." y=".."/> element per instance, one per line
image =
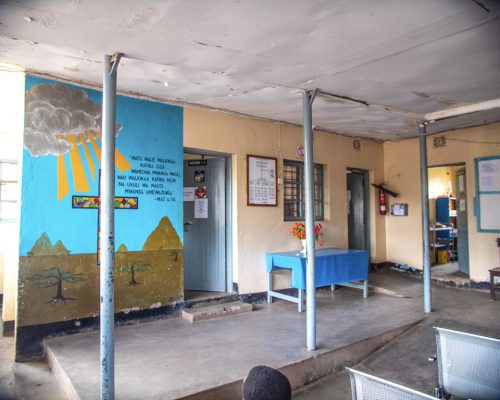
<point x="299" y="182"/>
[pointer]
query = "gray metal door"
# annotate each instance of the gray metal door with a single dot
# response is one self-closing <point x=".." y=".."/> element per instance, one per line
<point x="462" y="229"/>
<point x="357" y="217"/>
<point x="204" y="226"/>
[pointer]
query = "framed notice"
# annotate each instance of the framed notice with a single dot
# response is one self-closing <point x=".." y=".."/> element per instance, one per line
<point x="487" y="201"/>
<point x="262" y="181"/>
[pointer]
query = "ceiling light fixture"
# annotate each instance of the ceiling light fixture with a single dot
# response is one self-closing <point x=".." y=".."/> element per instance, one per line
<point x="165" y="83"/>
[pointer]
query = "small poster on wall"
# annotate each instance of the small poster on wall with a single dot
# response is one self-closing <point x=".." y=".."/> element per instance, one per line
<point x="199" y="176"/>
<point x="262" y="181"/>
<point x="200" y="192"/>
<point x="188" y="194"/>
<point x="201" y="208"/>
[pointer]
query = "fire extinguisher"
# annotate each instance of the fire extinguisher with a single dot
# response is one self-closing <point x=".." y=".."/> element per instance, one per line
<point x="381" y="196"/>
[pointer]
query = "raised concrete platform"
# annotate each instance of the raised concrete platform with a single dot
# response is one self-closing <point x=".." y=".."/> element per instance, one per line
<point x="172" y="359"/>
<point x="206" y="312"/>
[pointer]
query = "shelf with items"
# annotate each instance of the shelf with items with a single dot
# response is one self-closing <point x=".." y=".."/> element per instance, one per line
<point x="446" y="242"/>
<point x="446" y="216"/>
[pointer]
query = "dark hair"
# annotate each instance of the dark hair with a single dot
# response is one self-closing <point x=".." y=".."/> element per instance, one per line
<point x="265" y="383"/>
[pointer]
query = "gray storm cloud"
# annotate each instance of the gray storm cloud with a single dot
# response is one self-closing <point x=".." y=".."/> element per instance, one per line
<point x="54" y="112"/>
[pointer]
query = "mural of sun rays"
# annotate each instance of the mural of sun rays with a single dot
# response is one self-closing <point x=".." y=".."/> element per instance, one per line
<point x="80" y="174"/>
<point x="64" y="122"/>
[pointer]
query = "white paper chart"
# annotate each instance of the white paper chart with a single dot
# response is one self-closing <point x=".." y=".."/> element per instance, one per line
<point x="261" y="181"/>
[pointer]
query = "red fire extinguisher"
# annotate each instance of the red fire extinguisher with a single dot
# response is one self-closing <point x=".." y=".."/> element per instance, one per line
<point x="381" y="196"/>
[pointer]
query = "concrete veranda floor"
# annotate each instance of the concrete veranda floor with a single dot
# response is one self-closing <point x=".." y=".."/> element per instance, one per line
<point x="404" y="360"/>
<point x="172" y="358"/>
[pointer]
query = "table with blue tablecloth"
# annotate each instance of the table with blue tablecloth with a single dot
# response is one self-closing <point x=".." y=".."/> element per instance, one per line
<point x="333" y="267"/>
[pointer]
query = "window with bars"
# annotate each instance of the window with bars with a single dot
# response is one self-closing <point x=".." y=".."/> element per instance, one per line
<point x="294" y="193"/>
<point x="8" y="190"/>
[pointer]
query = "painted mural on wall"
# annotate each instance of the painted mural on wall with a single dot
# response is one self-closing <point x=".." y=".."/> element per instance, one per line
<point x="59" y="254"/>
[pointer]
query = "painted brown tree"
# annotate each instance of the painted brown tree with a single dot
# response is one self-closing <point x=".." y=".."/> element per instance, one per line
<point x="55" y="277"/>
<point x="133" y="268"/>
<point x="175" y="254"/>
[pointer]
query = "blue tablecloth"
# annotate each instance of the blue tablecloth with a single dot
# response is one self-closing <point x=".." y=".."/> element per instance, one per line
<point x="333" y="266"/>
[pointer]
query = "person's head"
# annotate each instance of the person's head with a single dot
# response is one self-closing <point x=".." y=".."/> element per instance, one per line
<point x="265" y="383"/>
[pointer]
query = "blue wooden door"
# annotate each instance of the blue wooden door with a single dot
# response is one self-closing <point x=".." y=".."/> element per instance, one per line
<point x="204" y="230"/>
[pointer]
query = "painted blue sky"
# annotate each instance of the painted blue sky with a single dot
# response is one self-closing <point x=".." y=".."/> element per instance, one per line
<point x="148" y="129"/>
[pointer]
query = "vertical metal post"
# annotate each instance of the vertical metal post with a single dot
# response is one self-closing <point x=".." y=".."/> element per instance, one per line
<point x="107" y="256"/>
<point x="424" y="183"/>
<point x="307" y="101"/>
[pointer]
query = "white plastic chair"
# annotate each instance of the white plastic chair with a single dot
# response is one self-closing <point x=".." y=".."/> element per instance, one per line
<point x="468" y="365"/>
<point x="368" y="387"/>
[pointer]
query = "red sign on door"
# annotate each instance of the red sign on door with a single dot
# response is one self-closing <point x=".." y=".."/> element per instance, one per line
<point x="201" y="192"/>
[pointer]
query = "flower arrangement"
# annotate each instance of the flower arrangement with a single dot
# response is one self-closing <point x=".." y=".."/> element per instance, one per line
<point x="299" y="231"/>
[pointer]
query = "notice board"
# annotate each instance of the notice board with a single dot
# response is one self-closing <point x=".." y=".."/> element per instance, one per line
<point x="262" y="181"/>
<point x="488" y="194"/>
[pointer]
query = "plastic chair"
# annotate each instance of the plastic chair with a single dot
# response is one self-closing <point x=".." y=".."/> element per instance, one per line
<point x="368" y="387"/>
<point x="468" y="365"/>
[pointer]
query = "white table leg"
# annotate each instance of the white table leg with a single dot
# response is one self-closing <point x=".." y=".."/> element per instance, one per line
<point x="269" y="286"/>
<point x="365" y="288"/>
<point x="301" y="300"/>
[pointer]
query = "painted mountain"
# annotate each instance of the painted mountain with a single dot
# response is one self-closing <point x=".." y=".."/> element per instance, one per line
<point x="43" y="247"/>
<point x="164" y="237"/>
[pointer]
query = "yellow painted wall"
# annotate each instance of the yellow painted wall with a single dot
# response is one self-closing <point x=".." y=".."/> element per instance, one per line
<point x="11" y="135"/>
<point x="402" y="175"/>
<point x="401" y="165"/>
<point x="258" y="230"/>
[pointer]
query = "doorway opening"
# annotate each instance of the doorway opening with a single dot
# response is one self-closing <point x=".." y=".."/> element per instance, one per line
<point x="207" y="225"/>
<point x="358" y="198"/>
<point x="448" y="220"/>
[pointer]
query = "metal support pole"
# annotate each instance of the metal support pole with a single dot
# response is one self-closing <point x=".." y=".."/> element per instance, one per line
<point x="307" y="101"/>
<point x="107" y="243"/>
<point x="424" y="183"/>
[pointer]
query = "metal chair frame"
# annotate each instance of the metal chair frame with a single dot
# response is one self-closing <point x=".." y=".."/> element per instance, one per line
<point x="468" y="365"/>
<point x="368" y="387"/>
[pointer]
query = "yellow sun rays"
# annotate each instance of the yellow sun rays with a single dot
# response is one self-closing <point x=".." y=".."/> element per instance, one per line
<point x="80" y="180"/>
<point x="62" y="176"/>
<point x="120" y="161"/>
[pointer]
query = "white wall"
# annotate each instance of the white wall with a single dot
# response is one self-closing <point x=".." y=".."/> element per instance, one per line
<point x="11" y="136"/>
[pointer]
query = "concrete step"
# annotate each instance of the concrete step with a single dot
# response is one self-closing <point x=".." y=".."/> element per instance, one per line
<point x="202" y="313"/>
<point x="327" y="367"/>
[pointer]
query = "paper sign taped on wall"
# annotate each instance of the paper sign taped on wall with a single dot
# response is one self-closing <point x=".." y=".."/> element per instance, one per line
<point x="188" y="194"/>
<point x="201" y="208"/>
